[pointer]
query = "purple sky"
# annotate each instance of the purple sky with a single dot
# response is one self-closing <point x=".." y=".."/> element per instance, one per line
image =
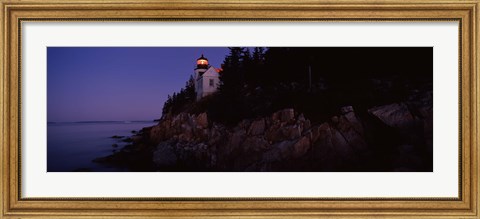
<point x="118" y="83"/>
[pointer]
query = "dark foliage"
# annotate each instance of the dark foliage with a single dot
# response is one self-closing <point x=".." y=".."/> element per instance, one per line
<point x="177" y="102"/>
<point x="315" y="81"/>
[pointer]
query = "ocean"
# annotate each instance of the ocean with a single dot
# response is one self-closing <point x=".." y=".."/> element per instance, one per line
<point x="71" y="146"/>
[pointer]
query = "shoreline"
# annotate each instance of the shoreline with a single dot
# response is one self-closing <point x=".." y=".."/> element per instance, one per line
<point x="72" y="146"/>
<point x="392" y="137"/>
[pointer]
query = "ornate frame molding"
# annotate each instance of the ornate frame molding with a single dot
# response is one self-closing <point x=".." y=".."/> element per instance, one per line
<point x="14" y="12"/>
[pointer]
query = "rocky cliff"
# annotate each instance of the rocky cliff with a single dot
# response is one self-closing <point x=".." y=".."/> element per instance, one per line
<point x="394" y="137"/>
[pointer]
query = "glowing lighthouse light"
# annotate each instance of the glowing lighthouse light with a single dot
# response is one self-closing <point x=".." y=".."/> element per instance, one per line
<point x="202" y="61"/>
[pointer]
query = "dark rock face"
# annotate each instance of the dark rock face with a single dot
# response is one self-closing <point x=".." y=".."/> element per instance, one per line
<point x="394" y="137"/>
<point x="394" y="115"/>
<point x="257" y="127"/>
<point x="412" y="124"/>
<point x="164" y="155"/>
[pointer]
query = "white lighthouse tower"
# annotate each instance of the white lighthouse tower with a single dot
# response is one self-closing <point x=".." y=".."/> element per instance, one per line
<point x="206" y="78"/>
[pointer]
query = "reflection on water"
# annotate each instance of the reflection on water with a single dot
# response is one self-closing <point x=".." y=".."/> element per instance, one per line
<point x="73" y="146"/>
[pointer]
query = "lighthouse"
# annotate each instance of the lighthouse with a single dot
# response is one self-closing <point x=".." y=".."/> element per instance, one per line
<point x="206" y="78"/>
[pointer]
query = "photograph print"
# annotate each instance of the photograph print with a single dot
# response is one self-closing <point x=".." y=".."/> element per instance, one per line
<point x="239" y="109"/>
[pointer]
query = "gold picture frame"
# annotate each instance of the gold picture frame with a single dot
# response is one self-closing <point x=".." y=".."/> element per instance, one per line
<point x="14" y="12"/>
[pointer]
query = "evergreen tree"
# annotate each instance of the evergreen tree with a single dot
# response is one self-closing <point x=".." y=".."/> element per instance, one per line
<point x="232" y="76"/>
<point x="190" y="89"/>
<point x="229" y="107"/>
<point x="177" y="102"/>
<point x="254" y="72"/>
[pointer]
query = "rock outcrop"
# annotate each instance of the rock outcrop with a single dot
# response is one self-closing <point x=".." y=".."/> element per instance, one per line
<point x="394" y="137"/>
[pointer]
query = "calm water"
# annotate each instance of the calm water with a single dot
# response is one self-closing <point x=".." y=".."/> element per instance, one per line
<point x="73" y="146"/>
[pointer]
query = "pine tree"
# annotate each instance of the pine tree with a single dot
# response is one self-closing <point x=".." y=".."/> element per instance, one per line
<point x="255" y="68"/>
<point x="229" y="107"/>
<point x="190" y="89"/>
<point x="247" y="67"/>
<point x="232" y="76"/>
<point x="178" y="101"/>
<point x="258" y="55"/>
